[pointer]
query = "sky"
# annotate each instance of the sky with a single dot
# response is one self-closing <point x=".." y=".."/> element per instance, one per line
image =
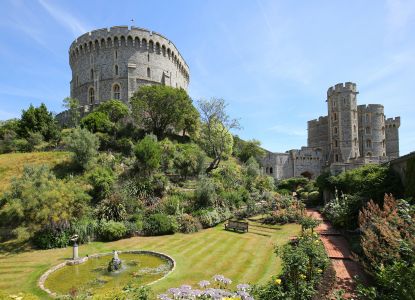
<point x="272" y="61"/>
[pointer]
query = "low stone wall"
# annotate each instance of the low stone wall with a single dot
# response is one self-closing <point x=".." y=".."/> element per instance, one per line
<point x="42" y="279"/>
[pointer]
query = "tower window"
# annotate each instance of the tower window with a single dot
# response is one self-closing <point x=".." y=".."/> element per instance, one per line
<point x="368" y="130"/>
<point x="270" y="170"/>
<point x="367" y="118"/>
<point x="148" y="73"/>
<point x="116" y="91"/>
<point x="335" y="116"/>
<point x="148" y="57"/>
<point x="368" y="143"/>
<point x="91" y="95"/>
<point x="116" y="69"/>
<point x="116" y="54"/>
<point x="354" y="128"/>
<point x="355" y="142"/>
<point x="336" y="143"/>
<point x="337" y="157"/>
<point x="92" y="74"/>
<point x="335" y="130"/>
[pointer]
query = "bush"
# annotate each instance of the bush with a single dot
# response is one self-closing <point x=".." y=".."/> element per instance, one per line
<point x="208" y="218"/>
<point x="205" y="193"/>
<point x="50" y="237"/>
<point x="343" y="211"/>
<point x="124" y="145"/>
<point x="112" y="231"/>
<point x="292" y="184"/>
<point x="148" y="154"/>
<point x="159" y="224"/>
<point x="188" y="224"/>
<point x="112" y="208"/>
<point x="97" y="122"/>
<point x="314" y="198"/>
<point x="287" y="210"/>
<point x="101" y="179"/>
<point x="84" y="145"/>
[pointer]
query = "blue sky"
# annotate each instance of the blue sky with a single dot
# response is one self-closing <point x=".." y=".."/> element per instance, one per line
<point x="272" y="61"/>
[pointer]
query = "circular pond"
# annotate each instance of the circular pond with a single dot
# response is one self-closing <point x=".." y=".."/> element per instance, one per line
<point x="93" y="277"/>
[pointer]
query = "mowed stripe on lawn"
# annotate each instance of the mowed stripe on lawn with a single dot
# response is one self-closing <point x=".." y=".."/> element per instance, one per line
<point x="245" y="258"/>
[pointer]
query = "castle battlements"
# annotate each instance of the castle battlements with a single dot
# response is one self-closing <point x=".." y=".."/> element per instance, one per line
<point x="393" y="121"/>
<point x="118" y="36"/>
<point x="341" y="88"/>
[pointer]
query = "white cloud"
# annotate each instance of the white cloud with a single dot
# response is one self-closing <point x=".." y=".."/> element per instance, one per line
<point x="64" y="18"/>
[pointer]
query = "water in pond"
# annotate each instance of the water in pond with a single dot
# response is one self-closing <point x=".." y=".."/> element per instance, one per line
<point x="93" y="276"/>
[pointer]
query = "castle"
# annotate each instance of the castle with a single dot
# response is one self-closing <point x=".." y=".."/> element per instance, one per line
<point x="112" y="63"/>
<point x="349" y="136"/>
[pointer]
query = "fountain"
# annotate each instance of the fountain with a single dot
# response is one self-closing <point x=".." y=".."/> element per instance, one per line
<point x="115" y="264"/>
<point x="76" y="260"/>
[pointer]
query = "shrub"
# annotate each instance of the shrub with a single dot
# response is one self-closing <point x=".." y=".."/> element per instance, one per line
<point x="159" y="224"/>
<point x="188" y="224"/>
<point x="84" y="145"/>
<point x="124" y="145"/>
<point x="188" y="159"/>
<point x="101" y="179"/>
<point x="205" y="193"/>
<point x="112" y="231"/>
<point x="97" y="122"/>
<point x="314" y="198"/>
<point x="148" y="154"/>
<point x="293" y="183"/>
<point x="50" y="237"/>
<point x="208" y="218"/>
<point x="287" y="210"/>
<point x="343" y="211"/>
<point x="112" y="208"/>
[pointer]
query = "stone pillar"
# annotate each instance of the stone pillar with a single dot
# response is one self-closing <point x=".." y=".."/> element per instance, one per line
<point x="75" y="251"/>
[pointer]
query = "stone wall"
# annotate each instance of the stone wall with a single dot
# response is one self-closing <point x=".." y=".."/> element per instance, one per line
<point x="105" y="60"/>
<point x="372" y="139"/>
<point x="392" y="137"/>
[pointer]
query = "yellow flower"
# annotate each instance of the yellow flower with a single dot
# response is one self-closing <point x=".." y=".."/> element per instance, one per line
<point x="302" y="276"/>
<point x="319" y="271"/>
<point x="278" y="281"/>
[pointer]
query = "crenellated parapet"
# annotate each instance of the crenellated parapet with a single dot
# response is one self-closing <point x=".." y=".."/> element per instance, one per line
<point x="393" y="122"/>
<point x="341" y="88"/>
<point x="113" y="63"/>
<point x="124" y="36"/>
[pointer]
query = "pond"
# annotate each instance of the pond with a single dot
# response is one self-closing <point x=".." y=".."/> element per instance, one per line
<point x="93" y="276"/>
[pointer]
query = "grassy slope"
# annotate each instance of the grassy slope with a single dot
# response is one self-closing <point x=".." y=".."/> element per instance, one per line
<point x="11" y="165"/>
<point x="244" y="258"/>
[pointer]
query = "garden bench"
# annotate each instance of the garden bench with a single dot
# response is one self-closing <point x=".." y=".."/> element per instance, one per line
<point x="237" y="226"/>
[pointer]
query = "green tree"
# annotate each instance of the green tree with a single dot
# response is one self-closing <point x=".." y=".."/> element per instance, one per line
<point x="114" y="109"/>
<point x="188" y="159"/>
<point x="160" y="108"/>
<point x="9" y="127"/>
<point x="84" y="145"/>
<point x="38" y="199"/>
<point x="148" y="154"/>
<point x="249" y="149"/>
<point x="72" y="105"/>
<point x="215" y="137"/>
<point x="97" y="122"/>
<point x="40" y="120"/>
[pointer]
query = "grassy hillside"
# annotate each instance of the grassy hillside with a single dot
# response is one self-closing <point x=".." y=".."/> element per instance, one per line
<point x="245" y="258"/>
<point x="11" y="165"/>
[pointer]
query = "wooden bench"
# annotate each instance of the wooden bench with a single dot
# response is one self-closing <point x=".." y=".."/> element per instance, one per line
<point x="237" y="226"/>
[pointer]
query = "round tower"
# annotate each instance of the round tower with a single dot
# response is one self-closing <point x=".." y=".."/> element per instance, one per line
<point x="372" y="130"/>
<point x="113" y="63"/>
<point x="343" y="123"/>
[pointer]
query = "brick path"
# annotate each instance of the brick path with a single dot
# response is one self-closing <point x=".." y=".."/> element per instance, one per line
<point x="338" y="251"/>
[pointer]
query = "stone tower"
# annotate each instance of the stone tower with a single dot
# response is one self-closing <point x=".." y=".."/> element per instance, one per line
<point x="343" y="123"/>
<point x="112" y="63"/>
<point x="372" y="138"/>
<point x="392" y="137"/>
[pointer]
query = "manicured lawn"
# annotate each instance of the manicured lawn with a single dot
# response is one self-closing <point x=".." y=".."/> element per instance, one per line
<point x="245" y="258"/>
<point x="11" y="165"/>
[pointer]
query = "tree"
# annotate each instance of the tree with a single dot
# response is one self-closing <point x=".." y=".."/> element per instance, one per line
<point x="160" y="108"/>
<point x="38" y="119"/>
<point x="188" y="159"/>
<point x="84" y="145"/>
<point x="148" y="154"/>
<point x="215" y="137"/>
<point x="72" y="105"/>
<point x="38" y="199"/>
<point x="97" y="122"/>
<point x="114" y="109"/>
<point x="247" y="149"/>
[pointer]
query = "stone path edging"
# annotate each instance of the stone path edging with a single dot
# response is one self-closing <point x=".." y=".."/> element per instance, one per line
<point x="42" y="279"/>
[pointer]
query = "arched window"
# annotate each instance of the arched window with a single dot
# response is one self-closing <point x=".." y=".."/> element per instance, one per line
<point x="368" y="143"/>
<point x="92" y="74"/>
<point x="116" y="92"/>
<point x="336" y="143"/>
<point x="335" y="116"/>
<point x="383" y="144"/>
<point x="91" y="95"/>
<point x="148" y="72"/>
<point x="335" y="130"/>
<point x="270" y="170"/>
<point x="116" y="69"/>
<point x="368" y="130"/>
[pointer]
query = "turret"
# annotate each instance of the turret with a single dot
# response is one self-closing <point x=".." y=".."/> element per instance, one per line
<point x="392" y="137"/>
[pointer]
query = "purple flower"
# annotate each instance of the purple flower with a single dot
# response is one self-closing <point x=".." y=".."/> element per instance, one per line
<point x="243" y="287"/>
<point x="204" y="283"/>
<point x="163" y="297"/>
<point x="218" y="278"/>
<point x="226" y="281"/>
